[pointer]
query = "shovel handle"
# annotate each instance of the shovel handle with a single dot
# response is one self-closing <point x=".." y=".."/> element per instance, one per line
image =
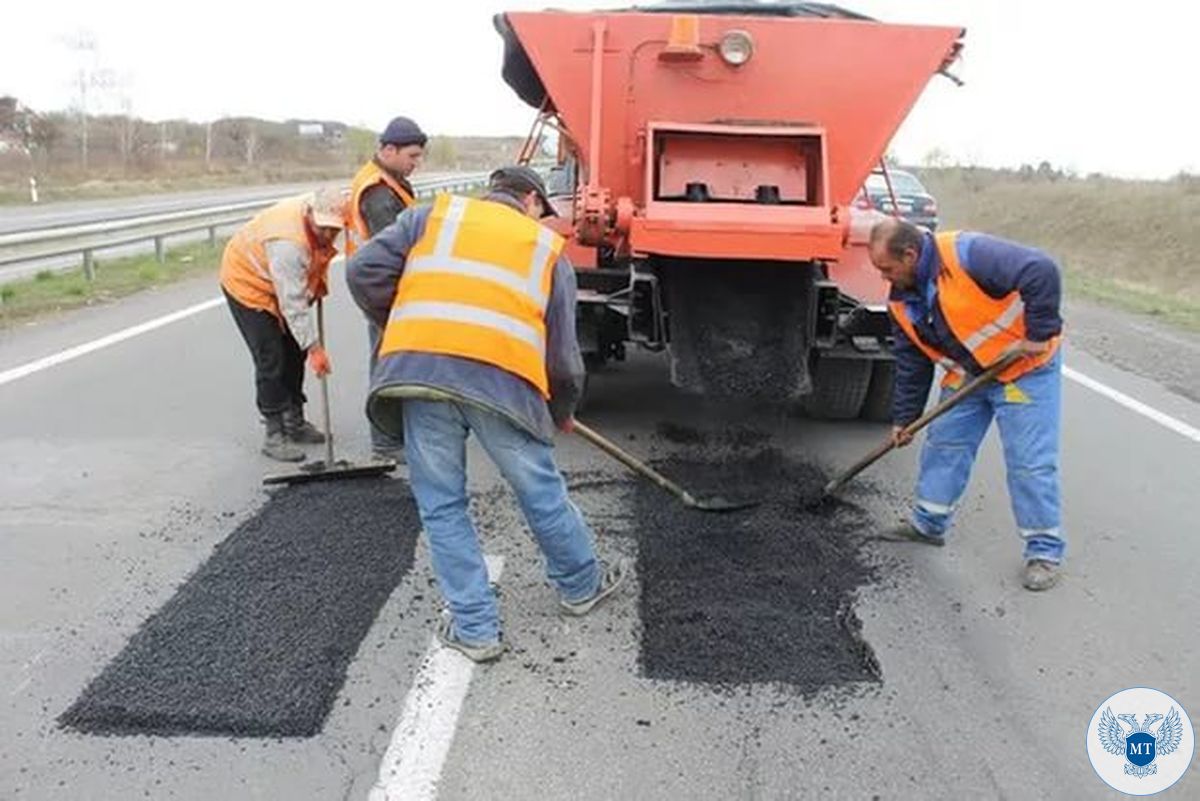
<point x="888" y="445"/>
<point x="632" y="462"/>
<point x="324" y="387"/>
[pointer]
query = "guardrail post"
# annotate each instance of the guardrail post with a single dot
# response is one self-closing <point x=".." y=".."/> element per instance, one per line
<point x="160" y="251"/>
<point x="212" y="236"/>
<point x="89" y="265"/>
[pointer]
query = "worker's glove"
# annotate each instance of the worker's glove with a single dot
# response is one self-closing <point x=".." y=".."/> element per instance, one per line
<point x="900" y="437"/>
<point x="567" y="425"/>
<point x="318" y="361"/>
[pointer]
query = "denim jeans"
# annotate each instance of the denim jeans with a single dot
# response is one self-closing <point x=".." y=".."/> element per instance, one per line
<point x="435" y="442"/>
<point x="1028" y="414"/>
<point x="380" y="441"/>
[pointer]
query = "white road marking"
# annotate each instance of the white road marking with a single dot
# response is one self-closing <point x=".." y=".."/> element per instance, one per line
<point x="1134" y="405"/>
<point x="412" y="766"/>
<point x="29" y="368"/>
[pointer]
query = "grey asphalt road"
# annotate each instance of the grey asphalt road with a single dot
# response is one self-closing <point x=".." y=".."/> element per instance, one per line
<point x="121" y="470"/>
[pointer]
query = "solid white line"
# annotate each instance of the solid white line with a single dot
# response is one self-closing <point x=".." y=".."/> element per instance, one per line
<point x="29" y="368"/>
<point x="412" y="766"/>
<point x="1165" y="420"/>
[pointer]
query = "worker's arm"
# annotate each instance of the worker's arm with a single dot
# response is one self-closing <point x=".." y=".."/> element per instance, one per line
<point x="1001" y="267"/>
<point x="379" y="207"/>
<point x="288" y="264"/>
<point x="913" y="377"/>
<point x="564" y="362"/>
<point x="375" y="269"/>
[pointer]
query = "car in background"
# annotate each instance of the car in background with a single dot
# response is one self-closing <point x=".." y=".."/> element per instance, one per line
<point x="915" y="204"/>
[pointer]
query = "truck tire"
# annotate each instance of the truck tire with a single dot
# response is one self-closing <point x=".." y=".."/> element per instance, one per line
<point x="839" y="388"/>
<point x="878" y="406"/>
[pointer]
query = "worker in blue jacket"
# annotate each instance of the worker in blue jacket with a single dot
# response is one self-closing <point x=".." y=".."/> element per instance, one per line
<point x="962" y="301"/>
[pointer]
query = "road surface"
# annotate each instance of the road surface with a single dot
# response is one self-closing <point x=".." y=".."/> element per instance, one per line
<point x="123" y="468"/>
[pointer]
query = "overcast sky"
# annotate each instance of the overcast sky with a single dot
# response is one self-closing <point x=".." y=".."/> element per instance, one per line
<point x="1108" y="87"/>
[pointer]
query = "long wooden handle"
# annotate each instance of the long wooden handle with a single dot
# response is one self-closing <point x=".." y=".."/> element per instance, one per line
<point x="888" y="445"/>
<point x="324" y="387"/>
<point x="632" y="462"/>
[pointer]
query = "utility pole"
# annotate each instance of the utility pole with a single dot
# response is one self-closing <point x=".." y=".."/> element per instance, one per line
<point x="208" y="146"/>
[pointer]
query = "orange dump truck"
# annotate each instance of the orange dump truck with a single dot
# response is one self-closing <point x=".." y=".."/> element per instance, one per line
<point x="708" y="156"/>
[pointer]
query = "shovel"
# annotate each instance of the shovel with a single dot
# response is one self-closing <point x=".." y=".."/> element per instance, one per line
<point x="887" y="446"/>
<point x="713" y="503"/>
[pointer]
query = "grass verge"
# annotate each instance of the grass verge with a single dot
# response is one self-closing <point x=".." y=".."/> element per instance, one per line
<point x="50" y="292"/>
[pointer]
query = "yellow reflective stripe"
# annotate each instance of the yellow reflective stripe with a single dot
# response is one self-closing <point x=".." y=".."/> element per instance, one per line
<point x="997" y="326"/>
<point x="451" y="222"/>
<point x="471" y="315"/>
<point x="477" y="269"/>
<point x="544" y="259"/>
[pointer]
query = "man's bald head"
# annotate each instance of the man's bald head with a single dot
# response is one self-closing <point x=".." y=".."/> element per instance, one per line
<point x="895" y="247"/>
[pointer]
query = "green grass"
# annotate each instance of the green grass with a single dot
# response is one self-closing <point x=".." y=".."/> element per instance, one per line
<point x="50" y="292"/>
<point x="1130" y="244"/>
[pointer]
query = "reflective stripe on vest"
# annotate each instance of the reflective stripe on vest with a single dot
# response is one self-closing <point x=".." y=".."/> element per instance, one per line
<point x="985" y="326"/>
<point x="368" y="175"/>
<point x="476" y="285"/>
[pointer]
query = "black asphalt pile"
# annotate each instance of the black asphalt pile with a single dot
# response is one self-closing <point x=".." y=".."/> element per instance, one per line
<point x="762" y="596"/>
<point x="257" y="641"/>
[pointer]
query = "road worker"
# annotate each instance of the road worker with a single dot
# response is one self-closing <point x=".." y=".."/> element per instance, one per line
<point x="963" y="301"/>
<point x="379" y="192"/>
<point x="273" y="270"/>
<point x="477" y="305"/>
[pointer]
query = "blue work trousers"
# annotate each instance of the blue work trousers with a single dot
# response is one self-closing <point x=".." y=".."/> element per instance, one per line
<point x="1028" y="412"/>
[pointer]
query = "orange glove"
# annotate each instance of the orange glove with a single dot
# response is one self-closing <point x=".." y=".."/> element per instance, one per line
<point x="318" y="361"/>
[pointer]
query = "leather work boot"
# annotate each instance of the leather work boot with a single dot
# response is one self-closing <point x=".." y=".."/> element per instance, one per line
<point x="299" y="430"/>
<point x="907" y="532"/>
<point x="276" y="444"/>
<point x="1039" y="574"/>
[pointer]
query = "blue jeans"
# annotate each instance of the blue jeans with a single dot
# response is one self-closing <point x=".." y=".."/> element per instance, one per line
<point x="380" y="441"/>
<point x="435" y="444"/>
<point x="1028" y="414"/>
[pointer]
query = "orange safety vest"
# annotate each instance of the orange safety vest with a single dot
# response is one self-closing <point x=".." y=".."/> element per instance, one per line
<point x="476" y="285"/>
<point x="245" y="273"/>
<point x="369" y="175"/>
<point x="986" y="326"/>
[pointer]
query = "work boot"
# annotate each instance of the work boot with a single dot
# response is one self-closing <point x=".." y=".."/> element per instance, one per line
<point x="611" y="578"/>
<point x="1039" y="575"/>
<point x="476" y="652"/>
<point x="907" y="532"/>
<point x="276" y="444"/>
<point x="299" y="430"/>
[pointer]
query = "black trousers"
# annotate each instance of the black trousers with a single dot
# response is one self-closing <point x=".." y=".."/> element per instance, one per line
<point x="278" y="359"/>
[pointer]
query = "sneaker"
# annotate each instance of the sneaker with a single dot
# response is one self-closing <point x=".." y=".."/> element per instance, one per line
<point x="476" y="652"/>
<point x="611" y="578"/>
<point x="1039" y="575"/>
<point x="907" y="532"/>
<point x="387" y="453"/>
<point x="276" y="445"/>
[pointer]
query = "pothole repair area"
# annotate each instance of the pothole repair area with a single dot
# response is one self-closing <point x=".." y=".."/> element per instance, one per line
<point x="759" y="596"/>
<point x="257" y="641"/>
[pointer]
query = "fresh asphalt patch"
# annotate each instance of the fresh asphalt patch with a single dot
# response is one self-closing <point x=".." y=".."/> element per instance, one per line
<point x="760" y="596"/>
<point x="256" y="643"/>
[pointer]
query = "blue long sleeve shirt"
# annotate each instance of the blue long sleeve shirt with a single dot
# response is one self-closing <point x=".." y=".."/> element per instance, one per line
<point x="999" y="267"/>
<point x="373" y="275"/>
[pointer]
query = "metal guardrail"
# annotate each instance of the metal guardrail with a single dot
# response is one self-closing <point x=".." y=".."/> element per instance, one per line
<point x="89" y="238"/>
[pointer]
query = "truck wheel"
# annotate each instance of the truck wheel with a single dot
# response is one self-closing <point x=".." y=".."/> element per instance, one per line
<point x="839" y="387"/>
<point x="878" y="406"/>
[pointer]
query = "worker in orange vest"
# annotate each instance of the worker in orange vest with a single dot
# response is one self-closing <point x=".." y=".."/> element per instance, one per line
<point x="962" y="301"/>
<point x="379" y="192"/>
<point x="272" y="272"/>
<point x="477" y="303"/>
